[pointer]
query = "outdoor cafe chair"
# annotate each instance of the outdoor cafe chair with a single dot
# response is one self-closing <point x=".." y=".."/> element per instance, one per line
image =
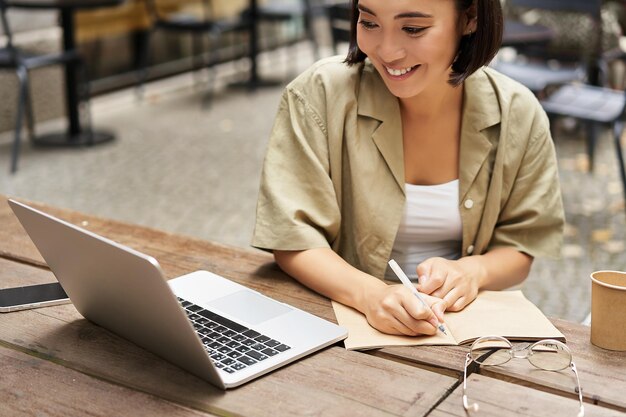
<point x="199" y="22"/>
<point x="21" y="62"/>
<point x="594" y="106"/>
<point x="538" y="69"/>
<point x="282" y="11"/>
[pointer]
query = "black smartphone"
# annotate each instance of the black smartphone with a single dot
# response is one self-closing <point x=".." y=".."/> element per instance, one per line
<point x="32" y="296"/>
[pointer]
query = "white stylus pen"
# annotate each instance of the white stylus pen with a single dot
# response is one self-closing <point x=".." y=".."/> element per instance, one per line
<point x="407" y="283"/>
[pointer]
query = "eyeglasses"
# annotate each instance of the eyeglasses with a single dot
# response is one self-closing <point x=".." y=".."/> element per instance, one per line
<point x="548" y="354"/>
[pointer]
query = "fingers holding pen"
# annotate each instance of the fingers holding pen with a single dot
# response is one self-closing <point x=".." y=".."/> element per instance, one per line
<point x="398" y="311"/>
<point x="437" y="305"/>
<point x="414" y="315"/>
<point x="417" y="311"/>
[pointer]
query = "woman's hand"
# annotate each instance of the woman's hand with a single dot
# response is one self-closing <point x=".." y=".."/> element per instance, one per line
<point x="456" y="282"/>
<point x="393" y="309"/>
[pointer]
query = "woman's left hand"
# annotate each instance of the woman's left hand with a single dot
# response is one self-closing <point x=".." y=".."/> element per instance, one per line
<point x="456" y="282"/>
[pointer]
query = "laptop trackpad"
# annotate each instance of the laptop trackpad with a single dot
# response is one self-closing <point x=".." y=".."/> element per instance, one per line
<point x="249" y="306"/>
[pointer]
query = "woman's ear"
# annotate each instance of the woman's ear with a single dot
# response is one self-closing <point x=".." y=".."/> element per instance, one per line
<point x="470" y="18"/>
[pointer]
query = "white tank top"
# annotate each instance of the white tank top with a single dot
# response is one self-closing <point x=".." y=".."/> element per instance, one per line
<point x="431" y="226"/>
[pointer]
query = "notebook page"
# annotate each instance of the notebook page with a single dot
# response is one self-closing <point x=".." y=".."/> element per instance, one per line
<point x="501" y="313"/>
<point x="363" y="336"/>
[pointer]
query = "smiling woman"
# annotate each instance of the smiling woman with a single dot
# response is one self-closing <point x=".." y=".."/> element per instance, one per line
<point x="409" y="148"/>
<point x="476" y="48"/>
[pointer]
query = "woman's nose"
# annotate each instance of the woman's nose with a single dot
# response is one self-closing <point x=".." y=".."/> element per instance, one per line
<point x="390" y="49"/>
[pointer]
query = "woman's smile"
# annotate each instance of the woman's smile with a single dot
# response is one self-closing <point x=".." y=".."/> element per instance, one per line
<point x="400" y="73"/>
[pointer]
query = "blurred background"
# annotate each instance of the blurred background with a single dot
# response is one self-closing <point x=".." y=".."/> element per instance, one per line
<point x="158" y="112"/>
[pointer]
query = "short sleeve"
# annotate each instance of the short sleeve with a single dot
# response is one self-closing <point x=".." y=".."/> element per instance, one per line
<point x="532" y="218"/>
<point x="297" y="207"/>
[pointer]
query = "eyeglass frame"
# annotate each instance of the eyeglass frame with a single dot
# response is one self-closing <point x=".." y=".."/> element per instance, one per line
<point x="514" y="354"/>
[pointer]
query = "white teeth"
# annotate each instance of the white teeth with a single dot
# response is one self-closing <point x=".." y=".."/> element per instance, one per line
<point x="398" y="72"/>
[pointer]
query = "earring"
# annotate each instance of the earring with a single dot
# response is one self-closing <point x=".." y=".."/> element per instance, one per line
<point x="471" y="31"/>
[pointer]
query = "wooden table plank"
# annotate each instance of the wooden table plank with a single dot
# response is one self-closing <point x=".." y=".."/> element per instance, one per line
<point x="14" y="242"/>
<point x="176" y="254"/>
<point x="602" y="372"/>
<point x="30" y="385"/>
<point x="15" y="274"/>
<point x="179" y="255"/>
<point x="334" y="381"/>
<point x="448" y="360"/>
<point x="500" y="399"/>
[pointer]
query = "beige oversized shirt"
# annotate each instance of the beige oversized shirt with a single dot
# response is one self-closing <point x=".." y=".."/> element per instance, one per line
<point x="333" y="175"/>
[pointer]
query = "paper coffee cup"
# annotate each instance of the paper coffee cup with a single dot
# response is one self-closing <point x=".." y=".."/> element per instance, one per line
<point x="608" y="310"/>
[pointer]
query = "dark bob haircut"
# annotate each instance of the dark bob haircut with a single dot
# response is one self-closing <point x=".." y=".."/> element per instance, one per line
<point x="475" y="50"/>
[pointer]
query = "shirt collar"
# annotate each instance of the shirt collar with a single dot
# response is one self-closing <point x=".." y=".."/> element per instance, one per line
<point x="481" y="110"/>
<point x="481" y="107"/>
<point x="376" y="101"/>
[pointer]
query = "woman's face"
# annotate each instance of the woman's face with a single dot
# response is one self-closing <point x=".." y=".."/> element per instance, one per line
<point x="412" y="43"/>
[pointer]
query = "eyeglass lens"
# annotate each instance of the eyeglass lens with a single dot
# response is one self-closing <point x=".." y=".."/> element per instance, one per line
<point x="549" y="355"/>
<point x="491" y="351"/>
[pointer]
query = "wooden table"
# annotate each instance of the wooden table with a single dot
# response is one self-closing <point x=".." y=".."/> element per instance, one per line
<point x="54" y="362"/>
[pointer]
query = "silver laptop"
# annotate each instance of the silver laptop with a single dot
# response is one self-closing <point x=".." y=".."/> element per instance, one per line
<point x="214" y="328"/>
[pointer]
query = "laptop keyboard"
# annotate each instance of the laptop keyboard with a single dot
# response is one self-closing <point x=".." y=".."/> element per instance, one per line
<point x="232" y="346"/>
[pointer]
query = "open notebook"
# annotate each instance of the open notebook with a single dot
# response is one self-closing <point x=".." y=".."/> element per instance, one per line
<point x="502" y="313"/>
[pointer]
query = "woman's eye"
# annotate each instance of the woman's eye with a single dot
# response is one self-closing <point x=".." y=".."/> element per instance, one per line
<point x="413" y="30"/>
<point x="366" y="24"/>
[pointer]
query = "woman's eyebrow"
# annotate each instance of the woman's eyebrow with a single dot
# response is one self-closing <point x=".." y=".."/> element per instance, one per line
<point x="412" y="14"/>
<point x="398" y="16"/>
<point x="366" y="10"/>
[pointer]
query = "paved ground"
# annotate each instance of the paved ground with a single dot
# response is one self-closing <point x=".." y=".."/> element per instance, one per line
<point x="185" y="168"/>
<point x="596" y="226"/>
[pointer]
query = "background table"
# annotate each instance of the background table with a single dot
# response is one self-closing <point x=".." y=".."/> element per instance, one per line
<point x="51" y="359"/>
<point x="76" y="135"/>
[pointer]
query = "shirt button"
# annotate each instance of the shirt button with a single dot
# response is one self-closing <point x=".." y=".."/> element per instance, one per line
<point x="470" y="249"/>
<point x="469" y="203"/>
